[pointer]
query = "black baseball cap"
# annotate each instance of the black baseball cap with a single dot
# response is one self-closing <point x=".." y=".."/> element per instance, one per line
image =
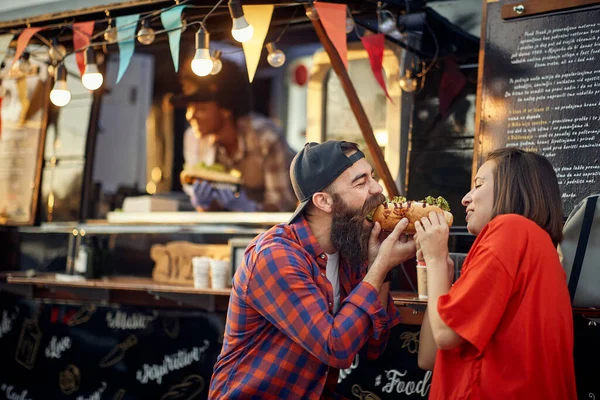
<point x="316" y="166"/>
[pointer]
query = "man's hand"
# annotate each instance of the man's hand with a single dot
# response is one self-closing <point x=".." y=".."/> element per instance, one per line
<point x="396" y="248"/>
<point x="229" y="201"/>
<point x="202" y="194"/>
<point x="374" y="243"/>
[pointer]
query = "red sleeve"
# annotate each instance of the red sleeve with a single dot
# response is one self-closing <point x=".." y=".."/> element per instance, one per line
<point x="475" y="304"/>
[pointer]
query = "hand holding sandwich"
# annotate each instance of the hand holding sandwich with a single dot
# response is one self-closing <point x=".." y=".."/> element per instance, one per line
<point x="393" y="250"/>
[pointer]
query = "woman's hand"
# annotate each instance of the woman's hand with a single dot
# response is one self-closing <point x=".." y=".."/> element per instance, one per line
<point x="432" y="237"/>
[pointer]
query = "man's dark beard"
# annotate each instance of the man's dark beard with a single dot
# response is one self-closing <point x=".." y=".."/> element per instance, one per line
<point x="349" y="234"/>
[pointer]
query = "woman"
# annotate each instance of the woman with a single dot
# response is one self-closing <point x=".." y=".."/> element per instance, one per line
<point x="504" y="330"/>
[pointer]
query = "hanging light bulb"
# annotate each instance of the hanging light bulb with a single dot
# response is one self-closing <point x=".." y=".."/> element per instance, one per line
<point x="276" y="58"/>
<point x="146" y="34"/>
<point x="408" y="82"/>
<point x="241" y="30"/>
<point x="349" y="25"/>
<point x="388" y="25"/>
<point x="110" y="35"/>
<point x="60" y="95"/>
<point x="57" y="51"/>
<point x="92" y="78"/>
<point x="202" y="64"/>
<point x="217" y="63"/>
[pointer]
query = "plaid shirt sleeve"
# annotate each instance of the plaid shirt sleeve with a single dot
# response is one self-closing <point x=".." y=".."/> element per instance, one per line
<point x="282" y="289"/>
<point x="376" y="347"/>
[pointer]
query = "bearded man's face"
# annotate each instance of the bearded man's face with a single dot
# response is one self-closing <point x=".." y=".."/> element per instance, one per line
<point x="349" y="230"/>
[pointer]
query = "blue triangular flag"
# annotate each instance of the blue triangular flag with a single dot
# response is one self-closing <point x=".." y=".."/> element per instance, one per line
<point x="171" y="20"/>
<point x="126" y="31"/>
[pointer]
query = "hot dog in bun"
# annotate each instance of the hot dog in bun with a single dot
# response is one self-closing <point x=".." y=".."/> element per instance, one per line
<point x="390" y="212"/>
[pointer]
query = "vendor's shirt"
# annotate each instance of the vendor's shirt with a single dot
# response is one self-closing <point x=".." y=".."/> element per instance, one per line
<point x="282" y="339"/>
<point x="512" y="306"/>
<point x="263" y="158"/>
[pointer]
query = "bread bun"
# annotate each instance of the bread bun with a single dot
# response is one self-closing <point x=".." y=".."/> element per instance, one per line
<point x="390" y="213"/>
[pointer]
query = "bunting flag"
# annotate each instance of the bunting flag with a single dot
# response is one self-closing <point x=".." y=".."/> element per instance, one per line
<point x="259" y="16"/>
<point x="171" y="20"/>
<point x="5" y="44"/>
<point x="451" y="85"/>
<point x="333" y="18"/>
<point x="23" y="41"/>
<point x="82" y="34"/>
<point x="375" y="44"/>
<point x="126" y="28"/>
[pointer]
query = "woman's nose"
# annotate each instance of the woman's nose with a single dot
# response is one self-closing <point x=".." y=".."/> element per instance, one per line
<point x="466" y="200"/>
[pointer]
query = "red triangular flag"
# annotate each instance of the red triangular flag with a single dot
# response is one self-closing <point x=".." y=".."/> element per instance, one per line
<point x="82" y="34"/>
<point x="375" y="45"/>
<point x="333" y="18"/>
<point x="23" y="41"/>
<point x="451" y="84"/>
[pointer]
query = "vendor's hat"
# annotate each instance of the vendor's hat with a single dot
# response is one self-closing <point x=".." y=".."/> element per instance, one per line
<point x="317" y="165"/>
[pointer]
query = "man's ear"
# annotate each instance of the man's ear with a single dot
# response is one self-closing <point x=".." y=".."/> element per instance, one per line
<point x="323" y="201"/>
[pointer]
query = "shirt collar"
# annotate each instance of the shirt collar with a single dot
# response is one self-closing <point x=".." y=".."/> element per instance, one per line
<point x="306" y="238"/>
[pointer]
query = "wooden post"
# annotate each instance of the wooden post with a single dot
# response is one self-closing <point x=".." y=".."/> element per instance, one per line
<point x="357" y="108"/>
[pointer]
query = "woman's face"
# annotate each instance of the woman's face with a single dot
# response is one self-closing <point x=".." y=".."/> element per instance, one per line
<point x="480" y="200"/>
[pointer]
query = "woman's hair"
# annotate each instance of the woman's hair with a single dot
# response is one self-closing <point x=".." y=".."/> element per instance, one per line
<point x="525" y="183"/>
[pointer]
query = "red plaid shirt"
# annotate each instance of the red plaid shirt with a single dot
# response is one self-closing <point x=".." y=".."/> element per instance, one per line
<point x="282" y="340"/>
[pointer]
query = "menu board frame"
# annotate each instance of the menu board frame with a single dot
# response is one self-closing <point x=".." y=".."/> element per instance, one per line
<point x="46" y="86"/>
<point x="509" y="12"/>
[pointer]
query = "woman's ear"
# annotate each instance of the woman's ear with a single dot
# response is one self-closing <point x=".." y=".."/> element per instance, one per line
<point x="323" y="201"/>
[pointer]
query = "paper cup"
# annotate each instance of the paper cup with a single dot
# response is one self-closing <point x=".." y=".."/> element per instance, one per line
<point x="201" y="267"/>
<point x="422" y="280"/>
<point x="219" y="272"/>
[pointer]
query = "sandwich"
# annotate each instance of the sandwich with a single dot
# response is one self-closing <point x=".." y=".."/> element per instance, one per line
<point x="390" y="212"/>
<point x="216" y="174"/>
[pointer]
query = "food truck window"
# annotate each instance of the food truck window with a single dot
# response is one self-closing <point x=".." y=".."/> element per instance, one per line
<point x="340" y="123"/>
<point x="329" y="115"/>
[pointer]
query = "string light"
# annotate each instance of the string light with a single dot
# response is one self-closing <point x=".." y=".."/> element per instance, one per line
<point x="110" y="35"/>
<point x="146" y="34"/>
<point x="57" y="51"/>
<point x="217" y="63"/>
<point x="350" y="25"/>
<point x="202" y="64"/>
<point x="60" y="95"/>
<point x="408" y="82"/>
<point x="312" y="13"/>
<point x="92" y="78"/>
<point x="241" y="30"/>
<point x="276" y="58"/>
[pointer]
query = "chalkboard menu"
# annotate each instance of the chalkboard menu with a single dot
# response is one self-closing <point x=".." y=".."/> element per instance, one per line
<point x="84" y="352"/>
<point x="394" y="375"/>
<point x="540" y="91"/>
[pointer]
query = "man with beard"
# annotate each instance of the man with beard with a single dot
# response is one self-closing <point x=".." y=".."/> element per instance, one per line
<point x="312" y="293"/>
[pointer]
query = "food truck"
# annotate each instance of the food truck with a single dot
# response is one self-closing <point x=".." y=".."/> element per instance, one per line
<point x="99" y="298"/>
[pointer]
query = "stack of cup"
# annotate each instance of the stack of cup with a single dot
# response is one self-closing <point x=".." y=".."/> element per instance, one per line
<point x="422" y="280"/>
<point x="201" y="267"/>
<point x="219" y="272"/>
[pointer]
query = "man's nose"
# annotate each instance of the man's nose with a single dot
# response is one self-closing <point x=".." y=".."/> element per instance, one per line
<point x="375" y="187"/>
